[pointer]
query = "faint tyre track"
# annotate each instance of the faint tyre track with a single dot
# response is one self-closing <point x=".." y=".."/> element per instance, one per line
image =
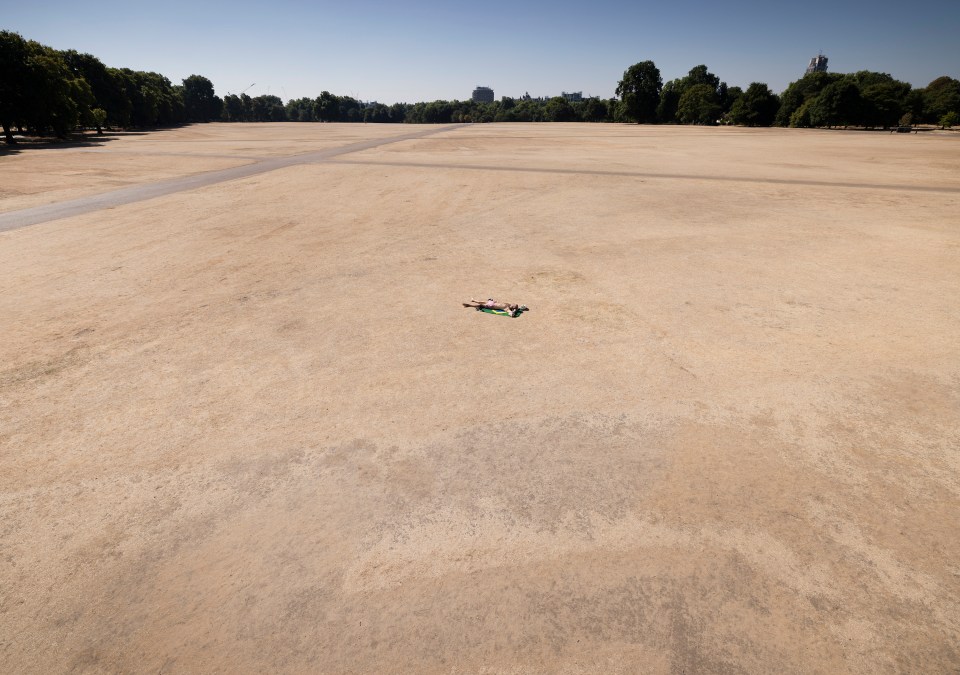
<point x="853" y="185"/>
<point x="137" y="193"/>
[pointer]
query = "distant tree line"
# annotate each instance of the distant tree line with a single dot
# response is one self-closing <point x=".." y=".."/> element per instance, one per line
<point x="863" y="99"/>
<point x="44" y="91"/>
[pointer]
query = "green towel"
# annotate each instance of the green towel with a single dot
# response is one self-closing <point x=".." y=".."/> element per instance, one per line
<point x="500" y="312"/>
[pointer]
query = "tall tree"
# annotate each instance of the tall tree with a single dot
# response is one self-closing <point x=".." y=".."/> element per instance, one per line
<point x="701" y="75"/>
<point x="757" y="107"/>
<point x="232" y="108"/>
<point x="699" y="104"/>
<point x="558" y="109"/>
<point x="300" y="110"/>
<point x="199" y="100"/>
<point x="38" y="90"/>
<point x="884" y="103"/>
<point x="268" y="108"/>
<point x="56" y="99"/>
<point x="595" y="110"/>
<point x="13" y="81"/>
<point x="327" y="107"/>
<point x="800" y="92"/>
<point x="246" y="103"/>
<point x="104" y="85"/>
<point x="668" y="109"/>
<point x="839" y="104"/>
<point x="730" y="97"/>
<point x="398" y="112"/>
<point x="884" y="100"/>
<point x="639" y="92"/>
<point x="349" y="110"/>
<point x="941" y="97"/>
<point x="669" y="100"/>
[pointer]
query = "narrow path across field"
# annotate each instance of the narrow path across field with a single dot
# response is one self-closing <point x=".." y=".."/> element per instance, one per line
<point x="137" y="193"/>
<point x="667" y="176"/>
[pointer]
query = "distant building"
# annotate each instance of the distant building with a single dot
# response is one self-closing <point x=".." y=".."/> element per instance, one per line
<point x="573" y="97"/>
<point x="483" y="95"/>
<point x="818" y="64"/>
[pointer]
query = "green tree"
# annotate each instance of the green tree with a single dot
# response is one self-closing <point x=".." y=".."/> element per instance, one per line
<point x="639" y="92"/>
<point x="277" y="112"/>
<point x="594" y="110"/>
<point x="558" y="109"/>
<point x="701" y="75"/>
<point x="56" y="99"/>
<point x="884" y="99"/>
<point x="378" y="114"/>
<point x="414" y="113"/>
<point x="438" y="112"/>
<point x="699" y="104"/>
<point x="528" y="111"/>
<point x="884" y="103"/>
<point x="730" y="97"/>
<point x="349" y="110"/>
<point x="268" y="108"/>
<point x="13" y="81"/>
<point x="669" y="108"/>
<point x="327" y="107"/>
<point x="120" y="112"/>
<point x="246" y="103"/>
<point x="104" y="85"/>
<point x="757" y="107"/>
<point x="199" y="100"/>
<point x="914" y="104"/>
<point x="799" y="92"/>
<point x="669" y="100"/>
<point x="940" y="97"/>
<point x="398" y="112"/>
<point x="154" y="101"/>
<point x="800" y="118"/>
<point x="839" y="104"/>
<point x="99" y="117"/>
<point x="301" y="110"/>
<point x="232" y="108"/>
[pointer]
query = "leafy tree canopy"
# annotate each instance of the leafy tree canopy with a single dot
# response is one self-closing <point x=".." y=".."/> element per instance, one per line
<point x="801" y="91"/>
<point x="47" y="91"/>
<point x="639" y="92"/>
<point x="941" y="97"/>
<point x="669" y="107"/>
<point x="13" y="80"/>
<point x="199" y="101"/>
<point x="839" y="104"/>
<point x="699" y="104"/>
<point x="757" y="107"/>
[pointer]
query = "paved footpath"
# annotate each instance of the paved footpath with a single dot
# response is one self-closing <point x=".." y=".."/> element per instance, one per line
<point x="138" y="193"/>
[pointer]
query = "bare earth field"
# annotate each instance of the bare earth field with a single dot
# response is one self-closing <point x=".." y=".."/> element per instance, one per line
<point x="247" y="426"/>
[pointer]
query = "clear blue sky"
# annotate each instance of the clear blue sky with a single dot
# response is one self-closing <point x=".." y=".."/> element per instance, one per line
<point x="414" y="50"/>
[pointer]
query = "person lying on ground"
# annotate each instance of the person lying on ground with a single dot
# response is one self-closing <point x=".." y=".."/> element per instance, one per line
<point x="490" y="303"/>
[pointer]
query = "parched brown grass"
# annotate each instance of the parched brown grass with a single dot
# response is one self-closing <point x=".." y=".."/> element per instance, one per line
<point x="249" y="428"/>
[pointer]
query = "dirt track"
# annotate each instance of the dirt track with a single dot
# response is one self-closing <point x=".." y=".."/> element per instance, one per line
<point x="248" y="427"/>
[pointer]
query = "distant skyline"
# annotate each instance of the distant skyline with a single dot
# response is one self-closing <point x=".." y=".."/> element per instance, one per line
<point x="423" y="51"/>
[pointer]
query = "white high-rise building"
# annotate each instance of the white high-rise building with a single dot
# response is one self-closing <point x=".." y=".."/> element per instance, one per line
<point x="818" y="64"/>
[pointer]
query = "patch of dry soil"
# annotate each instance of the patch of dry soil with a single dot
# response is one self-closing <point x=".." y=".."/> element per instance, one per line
<point x="248" y="427"/>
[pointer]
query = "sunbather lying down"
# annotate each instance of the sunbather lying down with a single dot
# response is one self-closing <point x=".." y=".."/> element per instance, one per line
<point x="490" y="303"/>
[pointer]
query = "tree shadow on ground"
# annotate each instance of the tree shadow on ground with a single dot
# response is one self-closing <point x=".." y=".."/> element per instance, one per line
<point x="87" y="139"/>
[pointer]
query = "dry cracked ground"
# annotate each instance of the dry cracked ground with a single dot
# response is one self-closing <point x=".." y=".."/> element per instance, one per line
<point x="246" y="425"/>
